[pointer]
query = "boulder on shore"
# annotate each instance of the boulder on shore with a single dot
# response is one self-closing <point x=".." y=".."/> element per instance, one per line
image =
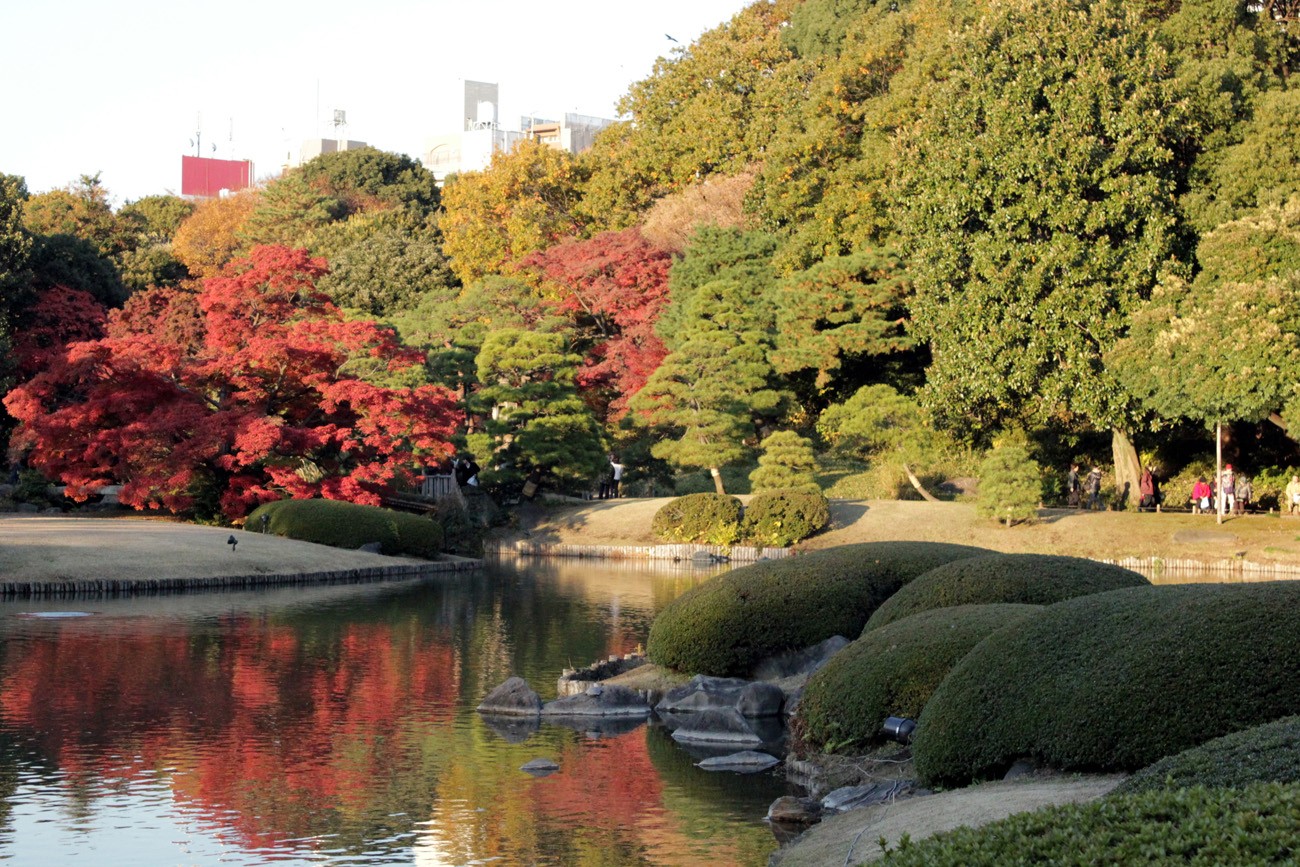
<point x="512" y="698"/>
<point x="599" y="700"/>
<point x="707" y="694"/>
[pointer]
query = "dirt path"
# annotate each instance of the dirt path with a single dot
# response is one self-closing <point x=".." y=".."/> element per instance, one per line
<point x="853" y="837"/>
<point x="1258" y="538"/>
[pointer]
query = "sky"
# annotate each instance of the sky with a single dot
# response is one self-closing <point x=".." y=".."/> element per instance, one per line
<point x="122" y="88"/>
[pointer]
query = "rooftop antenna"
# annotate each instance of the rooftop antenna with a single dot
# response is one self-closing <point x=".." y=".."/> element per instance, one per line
<point x="198" y="134"/>
<point x="340" y="128"/>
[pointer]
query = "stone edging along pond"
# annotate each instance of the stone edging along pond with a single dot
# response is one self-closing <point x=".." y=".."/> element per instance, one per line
<point x="737" y="553"/>
<point x="144" y="586"/>
<point x="1247" y="569"/>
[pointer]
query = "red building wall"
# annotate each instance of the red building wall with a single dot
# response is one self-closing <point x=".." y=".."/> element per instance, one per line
<point x="205" y="177"/>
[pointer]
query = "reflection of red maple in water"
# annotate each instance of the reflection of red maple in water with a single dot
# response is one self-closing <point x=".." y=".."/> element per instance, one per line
<point x="260" y="733"/>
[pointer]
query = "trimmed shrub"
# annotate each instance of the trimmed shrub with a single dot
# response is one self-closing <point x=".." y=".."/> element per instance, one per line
<point x="1264" y="754"/>
<point x="712" y="519"/>
<point x="1116" y="681"/>
<point x="348" y="525"/>
<point x="1258" y="825"/>
<point x="1030" y="579"/>
<point x="782" y="518"/>
<point x="729" y="624"/>
<point x="892" y="671"/>
<point x="1010" y="486"/>
<point x="787" y="462"/>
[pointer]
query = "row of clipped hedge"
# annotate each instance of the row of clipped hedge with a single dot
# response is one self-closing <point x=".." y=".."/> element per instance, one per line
<point x="1256" y="825"/>
<point x="1116" y="681"/>
<point x="1269" y="753"/>
<point x="348" y="525"/>
<point x="772" y="518"/>
<point x="729" y="624"/>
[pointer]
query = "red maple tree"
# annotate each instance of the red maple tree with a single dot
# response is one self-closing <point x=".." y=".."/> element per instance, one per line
<point x="614" y="285"/>
<point x="254" y="403"/>
<point x="61" y="316"/>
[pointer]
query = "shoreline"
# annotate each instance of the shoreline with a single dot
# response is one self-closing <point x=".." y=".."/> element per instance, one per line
<point x="66" y="556"/>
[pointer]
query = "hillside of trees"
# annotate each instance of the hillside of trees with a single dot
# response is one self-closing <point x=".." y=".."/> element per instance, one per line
<point x="912" y="231"/>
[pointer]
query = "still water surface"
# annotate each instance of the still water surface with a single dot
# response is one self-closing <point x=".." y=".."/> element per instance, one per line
<point x="335" y="725"/>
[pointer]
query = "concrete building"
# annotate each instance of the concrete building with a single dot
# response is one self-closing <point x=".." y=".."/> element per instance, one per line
<point x="471" y="149"/>
<point x="314" y="147"/>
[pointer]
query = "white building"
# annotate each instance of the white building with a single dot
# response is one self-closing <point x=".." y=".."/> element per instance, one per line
<point x="471" y="149"/>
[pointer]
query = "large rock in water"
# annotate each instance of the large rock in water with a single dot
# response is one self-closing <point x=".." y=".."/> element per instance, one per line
<point x="708" y="694"/>
<point x="512" y="698"/>
<point x="747" y="762"/>
<point x="599" y="700"/>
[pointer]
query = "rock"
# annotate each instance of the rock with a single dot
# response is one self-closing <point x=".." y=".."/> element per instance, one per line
<point x="760" y="699"/>
<point x="792" y="700"/>
<point x="372" y="547"/>
<point x="723" y="726"/>
<point x="513" y="729"/>
<point x="1192" y="537"/>
<point x="52" y="510"/>
<point x="512" y="698"/>
<point x="795" y="662"/>
<point x="28" y="508"/>
<point x="789" y="810"/>
<point x="848" y="798"/>
<point x="1021" y="768"/>
<point x="746" y="762"/>
<point x="599" y="700"/>
<point x="539" y="767"/>
<point x="6" y="490"/>
<point x="705" y="693"/>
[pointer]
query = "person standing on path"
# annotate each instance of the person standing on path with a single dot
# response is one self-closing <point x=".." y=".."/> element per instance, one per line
<point x="1073" y="488"/>
<point x="1201" y="495"/>
<point x="1245" y="493"/>
<point x="1293" y="496"/>
<point x="1147" y="490"/>
<point x="1093" y="487"/>
<point x="617" y="469"/>
<point x="1227" y="490"/>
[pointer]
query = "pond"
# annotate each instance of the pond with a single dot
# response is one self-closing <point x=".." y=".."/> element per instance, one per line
<point x="336" y="725"/>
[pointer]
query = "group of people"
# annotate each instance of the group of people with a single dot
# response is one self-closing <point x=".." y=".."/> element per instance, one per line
<point x="1232" y="495"/>
<point x="1076" y="489"/>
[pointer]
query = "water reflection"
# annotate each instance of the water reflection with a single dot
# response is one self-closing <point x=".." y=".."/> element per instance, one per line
<point x="335" y="724"/>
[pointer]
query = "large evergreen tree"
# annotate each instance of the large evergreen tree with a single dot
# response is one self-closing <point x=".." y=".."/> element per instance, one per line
<point x="1038" y="196"/>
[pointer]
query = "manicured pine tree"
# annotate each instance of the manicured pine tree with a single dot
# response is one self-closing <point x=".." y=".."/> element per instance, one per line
<point x="787" y="463"/>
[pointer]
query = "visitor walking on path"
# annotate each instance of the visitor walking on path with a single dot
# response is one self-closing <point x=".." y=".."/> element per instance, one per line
<point x="1093" y="486"/>
<point x="1073" y="488"/>
<point x="1147" y="490"/>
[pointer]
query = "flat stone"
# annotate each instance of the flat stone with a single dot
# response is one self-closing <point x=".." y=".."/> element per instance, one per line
<point x="599" y="700"/>
<point x="745" y="762"/>
<point x="1021" y="768"/>
<point x="703" y="693"/>
<point x="853" y="797"/>
<point x="372" y="547"/>
<point x="789" y="810"/>
<point x="512" y="698"/>
<point x="724" y="726"/>
<point x="804" y="661"/>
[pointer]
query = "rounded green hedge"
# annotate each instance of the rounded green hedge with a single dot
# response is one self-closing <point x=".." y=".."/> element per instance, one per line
<point x="1264" y="754"/>
<point x="729" y="624"/>
<point x="1029" y="579"/>
<point x="892" y="671"/>
<point x="1258" y="825"/>
<point x="348" y="525"/>
<point x="781" y="518"/>
<point x="1116" y="681"/>
<point x="712" y="519"/>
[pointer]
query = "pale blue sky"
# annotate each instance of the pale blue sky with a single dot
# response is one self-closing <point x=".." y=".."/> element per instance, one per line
<point x="118" y="88"/>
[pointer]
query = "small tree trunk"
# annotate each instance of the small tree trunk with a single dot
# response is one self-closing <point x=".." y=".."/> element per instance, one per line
<point x="1127" y="466"/>
<point x="717" y="480"/>
<point x="920" y="489"/>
